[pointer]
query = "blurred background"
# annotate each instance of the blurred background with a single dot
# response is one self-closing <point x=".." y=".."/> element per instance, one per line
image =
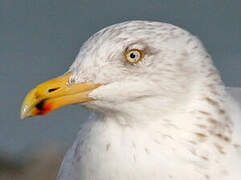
<point x="40" y="39"/>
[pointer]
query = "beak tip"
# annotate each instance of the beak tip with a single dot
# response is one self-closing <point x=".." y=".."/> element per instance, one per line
<point x="22" y="115"/>
<point x="24" y="112"/>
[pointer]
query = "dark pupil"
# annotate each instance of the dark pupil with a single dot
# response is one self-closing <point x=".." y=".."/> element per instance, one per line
<point x="132" y="55"/>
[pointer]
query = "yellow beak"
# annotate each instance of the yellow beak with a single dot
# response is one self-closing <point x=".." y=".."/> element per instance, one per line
<point x="54" y="94"/>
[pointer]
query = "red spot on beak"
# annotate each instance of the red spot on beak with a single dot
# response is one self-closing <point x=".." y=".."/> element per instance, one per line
<point x="46" y="108"/>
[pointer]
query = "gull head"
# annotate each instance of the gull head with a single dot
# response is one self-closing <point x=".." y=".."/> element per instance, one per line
<point x="128" y="67"/>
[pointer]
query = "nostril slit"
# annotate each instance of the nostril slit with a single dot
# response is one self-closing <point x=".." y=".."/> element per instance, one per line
<point x="53" y="89"/>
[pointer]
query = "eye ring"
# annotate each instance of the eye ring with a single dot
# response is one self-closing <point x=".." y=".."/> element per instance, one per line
<point x="133" y="56"/>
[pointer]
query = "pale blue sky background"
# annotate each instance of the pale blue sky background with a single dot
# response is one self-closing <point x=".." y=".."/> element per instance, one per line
<point x="40" y="38"/>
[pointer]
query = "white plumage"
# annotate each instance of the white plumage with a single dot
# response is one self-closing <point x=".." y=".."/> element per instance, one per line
<point x="166" y="117"/>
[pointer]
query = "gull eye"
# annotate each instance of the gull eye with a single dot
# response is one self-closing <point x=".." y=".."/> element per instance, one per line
<point x="133" y="56"/>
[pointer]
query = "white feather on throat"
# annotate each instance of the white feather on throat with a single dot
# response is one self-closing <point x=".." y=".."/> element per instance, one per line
<point x="166" y="117"/>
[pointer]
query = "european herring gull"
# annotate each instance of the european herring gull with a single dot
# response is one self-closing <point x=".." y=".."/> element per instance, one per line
<point x="159" y="108"/>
